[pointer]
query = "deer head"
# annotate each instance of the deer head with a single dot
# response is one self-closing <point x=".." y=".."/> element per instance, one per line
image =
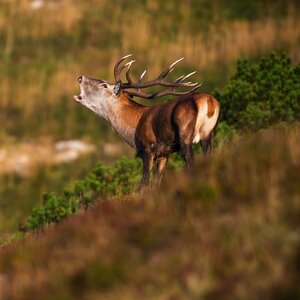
<point x="96" y="92"/>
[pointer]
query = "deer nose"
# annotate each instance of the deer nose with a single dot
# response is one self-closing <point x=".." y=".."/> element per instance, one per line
<point x="79" y="79"/>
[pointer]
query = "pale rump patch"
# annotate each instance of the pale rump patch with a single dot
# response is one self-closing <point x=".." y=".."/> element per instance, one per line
<point x="202" y="115"/>
<point x="204" y="123"/>
<point x="209" y="124"/>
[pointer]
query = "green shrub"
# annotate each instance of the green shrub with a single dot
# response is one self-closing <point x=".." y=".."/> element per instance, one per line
<point x="119" y="179"/>
<point x="224" y="133"/>
<point x="54" y="209"/>
<point x="262" y="93"/>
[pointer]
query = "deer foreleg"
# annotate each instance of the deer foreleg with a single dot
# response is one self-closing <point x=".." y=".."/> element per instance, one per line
<point x="160" y="167"/>
<point x="147" y="167"/>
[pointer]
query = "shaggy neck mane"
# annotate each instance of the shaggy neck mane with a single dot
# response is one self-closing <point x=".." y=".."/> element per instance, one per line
<point x="123" y="114"/>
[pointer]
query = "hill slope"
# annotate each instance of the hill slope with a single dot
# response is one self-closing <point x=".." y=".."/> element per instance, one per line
<point x="229" y="230"/>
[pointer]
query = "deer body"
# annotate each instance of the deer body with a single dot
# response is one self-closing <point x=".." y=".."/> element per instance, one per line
<point x="155" y="132"/>
<point x="192" y="118"/>
<point x="175" y="126"/>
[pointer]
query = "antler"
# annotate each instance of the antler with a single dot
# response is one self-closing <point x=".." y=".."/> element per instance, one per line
<point x="117" y="71"/>
<point x="179" y="82"/>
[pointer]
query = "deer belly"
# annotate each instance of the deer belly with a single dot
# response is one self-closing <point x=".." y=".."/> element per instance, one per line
<point x="164" y="149"/>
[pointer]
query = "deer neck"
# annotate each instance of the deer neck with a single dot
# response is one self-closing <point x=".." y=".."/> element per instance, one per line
<point x="123" y="114"/>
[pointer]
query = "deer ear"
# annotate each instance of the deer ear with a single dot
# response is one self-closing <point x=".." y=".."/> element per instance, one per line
<point x="117" y="87"/>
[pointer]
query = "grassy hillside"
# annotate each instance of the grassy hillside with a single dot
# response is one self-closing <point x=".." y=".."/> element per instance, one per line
<point x="229" y="230"/>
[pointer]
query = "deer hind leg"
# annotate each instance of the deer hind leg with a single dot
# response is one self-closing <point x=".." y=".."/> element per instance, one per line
<point x="206" y="144"/>
<point x="148" y="160"/>
<point x="188" y="155"/>
<point x="160" y="167"/>
<point x="186" y="148"/>
<point x="185" y="117"/>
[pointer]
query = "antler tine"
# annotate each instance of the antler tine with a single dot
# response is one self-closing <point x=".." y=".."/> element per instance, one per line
<point x="177" y="61"/>
<point x="127" y="74"/>
<point x="116" y="68"/>
<point x="126" y="56"/>
<point x="128" y="65"/>
<point x="184" y="77"/>
<point x="187" y="76"/>
<point x="169" y="69"/>
<point x="142" y="76"/>
<point x="179" y="78"/>
<point x="122" y="68"/>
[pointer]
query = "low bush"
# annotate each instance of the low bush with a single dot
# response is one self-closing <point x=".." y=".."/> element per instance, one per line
<point x="119" y="179"/>
<point x="261" y="94"/>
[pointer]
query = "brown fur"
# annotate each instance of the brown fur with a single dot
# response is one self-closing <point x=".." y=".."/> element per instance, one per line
<point x="130" y="111"/>
<point x="212" y="103"/>
<point x="169" y="127"/>
<point x="210" y="106"/>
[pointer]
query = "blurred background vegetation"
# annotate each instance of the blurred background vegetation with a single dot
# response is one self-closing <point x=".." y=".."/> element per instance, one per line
<point x="45" y="45"/>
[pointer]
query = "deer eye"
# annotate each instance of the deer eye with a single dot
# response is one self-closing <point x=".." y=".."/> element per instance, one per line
<point x="102" y="84"/>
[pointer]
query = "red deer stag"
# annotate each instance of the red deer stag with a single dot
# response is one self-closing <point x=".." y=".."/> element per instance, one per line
<point x="157" y="131"/>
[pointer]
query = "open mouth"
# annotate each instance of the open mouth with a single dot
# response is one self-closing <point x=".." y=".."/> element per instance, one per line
<point x="77" y="98"/>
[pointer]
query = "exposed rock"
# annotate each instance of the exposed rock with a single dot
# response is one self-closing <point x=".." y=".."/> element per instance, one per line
<point x="23" y="158"/>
